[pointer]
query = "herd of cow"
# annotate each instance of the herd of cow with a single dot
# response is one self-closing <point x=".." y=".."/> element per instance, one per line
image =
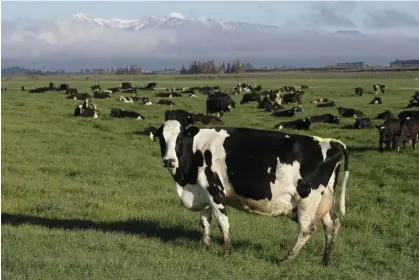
<point x="264" y="172"/>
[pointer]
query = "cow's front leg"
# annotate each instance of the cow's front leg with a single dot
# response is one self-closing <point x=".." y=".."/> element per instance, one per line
<point x="206" y="226"/>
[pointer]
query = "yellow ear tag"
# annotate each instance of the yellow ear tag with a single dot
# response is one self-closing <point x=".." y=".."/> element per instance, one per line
<point x="151" y="136"/>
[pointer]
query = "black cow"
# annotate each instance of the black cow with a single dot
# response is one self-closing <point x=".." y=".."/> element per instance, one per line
<point x="250" y="97"/>
<point x="38" y="90"/>
<point x="325" y="118"/>
<point x="219" y="103"/>
<point x="64" y="87"/>
<point x="376" y="100"/>
<point x="301" y="124"/>
<point x="149" y="86"/>
<point x="360" y="123"/>
<point x="359" y="91"/>
<point x="414" y="102"/>
<point x="326" y="104"/>
<point x="51" y="86"/>
<point x="185" y="118"/>
<point x="205" y="119"/>
<point x="121" y="113"/>
<point x="305" y="87"/>
<point x="386" y="115"/>
<point x="345" y="112"/>
<point x="79" y="96"/>
<point x="292" y="98"/>
<point x="409" y="131"/>
<point x="408" y="114"/>
<point x="102" y="95"/>
<point x="166" y="102"/>
<point x="258" y="171"/>
<point x="126" y="85"/>
<point x="22" y="88"/>
<point x="71" y="91"/>
<point x="388" y="134"/>
<point x="284" y="113"/>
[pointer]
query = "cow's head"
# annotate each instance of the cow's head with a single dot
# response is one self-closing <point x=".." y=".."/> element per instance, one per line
<point x="307" y="123"/>
<point x="335" y="120"/>
<point x="172" y="136"/>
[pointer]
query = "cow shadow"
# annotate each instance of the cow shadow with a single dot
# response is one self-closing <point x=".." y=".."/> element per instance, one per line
<point x="169" y="234"/>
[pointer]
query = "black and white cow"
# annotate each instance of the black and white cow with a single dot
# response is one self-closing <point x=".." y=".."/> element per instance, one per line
<point x="408" y="114"/>
<point x="376" y="100"/>
<point x="301" y="124"/>
<point x="184" y="117"/>
<point x="121" y="113"/>
<point x="377" y="87"/>
<point x="64" y="87"/>
<point x="219" y="103"/>
<point x="126" y="85"/>
<point x="359" y="91"/>
<point x="284" y="113"/>
<point x="325" y="118"/>
<point x="258" y="171"/>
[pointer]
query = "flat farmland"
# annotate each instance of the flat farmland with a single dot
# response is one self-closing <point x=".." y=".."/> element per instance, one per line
<point x="88" y="199"/>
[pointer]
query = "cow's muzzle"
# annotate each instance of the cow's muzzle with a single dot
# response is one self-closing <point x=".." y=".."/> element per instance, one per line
<point x="169" y="163"/>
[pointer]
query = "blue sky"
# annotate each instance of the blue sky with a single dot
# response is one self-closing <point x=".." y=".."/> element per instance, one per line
<point x="349" y="15"/>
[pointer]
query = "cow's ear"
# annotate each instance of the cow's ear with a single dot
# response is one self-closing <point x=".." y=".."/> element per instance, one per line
<point x="192" y="131"/>
<point x="152" y="132"/>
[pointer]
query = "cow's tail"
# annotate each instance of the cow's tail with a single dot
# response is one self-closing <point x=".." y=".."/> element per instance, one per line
<point x="344" y="182"/>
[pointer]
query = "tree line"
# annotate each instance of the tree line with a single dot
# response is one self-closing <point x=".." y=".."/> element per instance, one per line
<point x="209" y="67"/>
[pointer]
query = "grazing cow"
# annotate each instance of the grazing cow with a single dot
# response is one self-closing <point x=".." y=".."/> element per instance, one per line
<point x="360" y="123"/>
<point x="301" y="124"/>
<point x="386" y="115"/>
<point x="327" y="104"/>
<point x="284" y="113"/>
<point x="95" y="87"/>
<point x="219" y="103"/>
<point x="409" y="131"/>
<point x="305" y="87"/>
<point x="377" y="87"/>
<point x="183" y="117"/>
<point x="388" y="133"/>
<point x="292" y="98"/>
<point x="262" y="172"/>
<point x="408" y="114"/>
<point x="64" y="87"/>
<point x="113" y="90"/>
<point x="86" y="110"/>
<point x="166" y="102"/>
<point x="345" y="112"/>
<point x="205" y="119"/>
<point x="325" y="118"/>
<point x="250" y="97"/>
<point x="79" y="96"/>
<point x="359" y="91"/>
<point x="102" y="95"/>
<point x="126" y="99"/>
<point x="376" y="100"/>
<point x="126" y="85"/>
<point x="38" y="90"/>
<point x="121" y="113"/>
<point x="319" y="100"/>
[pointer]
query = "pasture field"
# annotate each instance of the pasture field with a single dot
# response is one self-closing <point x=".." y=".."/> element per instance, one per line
<point x="88" y="198"/>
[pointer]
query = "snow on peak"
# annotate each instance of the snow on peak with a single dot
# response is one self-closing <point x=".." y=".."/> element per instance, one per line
<point x="176" y="15"/>
<point x="80" y="16"/>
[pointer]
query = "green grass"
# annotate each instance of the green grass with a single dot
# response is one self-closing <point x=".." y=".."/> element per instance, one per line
<point x="87" y="198"/>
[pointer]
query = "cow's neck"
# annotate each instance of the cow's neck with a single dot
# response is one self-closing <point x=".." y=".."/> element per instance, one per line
<point x="187" y="172"/>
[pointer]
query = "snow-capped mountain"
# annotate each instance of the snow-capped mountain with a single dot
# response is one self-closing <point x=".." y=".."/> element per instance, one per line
<point x="168" y="41"/>
<point x="172" y="21"/>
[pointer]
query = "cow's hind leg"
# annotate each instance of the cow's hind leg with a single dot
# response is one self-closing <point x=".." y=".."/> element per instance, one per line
<point x="206" y="226"/>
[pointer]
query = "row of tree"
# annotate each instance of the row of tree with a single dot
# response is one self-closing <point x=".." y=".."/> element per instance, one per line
<point x="209" y="67"/>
